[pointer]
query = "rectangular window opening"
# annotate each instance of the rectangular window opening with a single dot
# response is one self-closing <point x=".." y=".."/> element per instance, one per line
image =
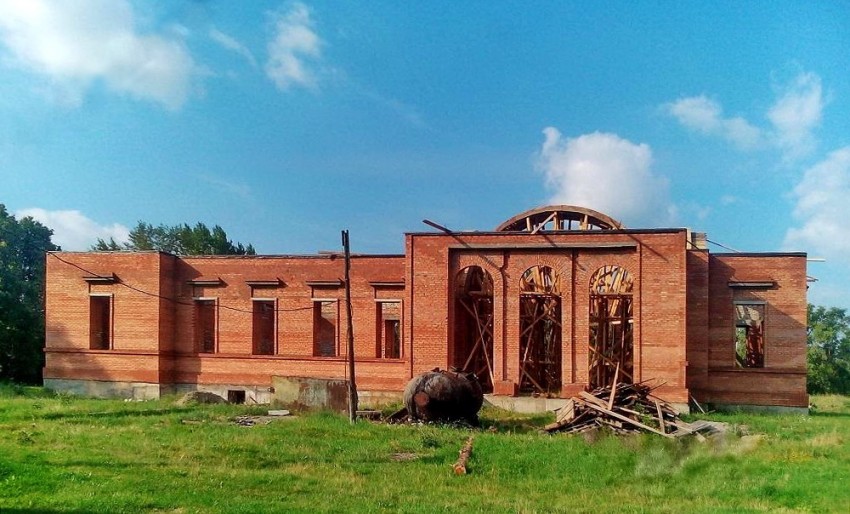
<point x="264" y="327"/>
<point x="749" y="335"/>
<point x="235" y="396"/>
<point x="324" y="328"/>
<point x="100" y="322"/>
<point x="388" y="324"/>
<point x="205" y="325"/>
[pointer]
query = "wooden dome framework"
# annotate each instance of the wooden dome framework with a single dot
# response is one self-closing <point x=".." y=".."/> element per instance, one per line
<point x="554" y="218"/>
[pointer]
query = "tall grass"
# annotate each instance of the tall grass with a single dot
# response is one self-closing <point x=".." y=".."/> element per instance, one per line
<point x="62" y="454"/>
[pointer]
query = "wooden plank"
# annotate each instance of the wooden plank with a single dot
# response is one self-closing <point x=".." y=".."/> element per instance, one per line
<point x="592" y="399"/>
<point x="614" y="388"/>
<point x="660" y="417"/>
<point x="567" y="412"/>
<point x="465" y="452"/>
<point x="626" y="419"/>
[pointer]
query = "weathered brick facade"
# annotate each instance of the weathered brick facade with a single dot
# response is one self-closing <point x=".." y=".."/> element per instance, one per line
<point x="682" y="321"/>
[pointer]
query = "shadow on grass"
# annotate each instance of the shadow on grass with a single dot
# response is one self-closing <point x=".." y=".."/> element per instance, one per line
<point x="499" y="420"/>
<point x="117" y="414"/>
<point x="42" y="510"/>
<point x="834" y="415"/>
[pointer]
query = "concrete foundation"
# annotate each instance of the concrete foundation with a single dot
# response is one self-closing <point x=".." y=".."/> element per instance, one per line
<point x="759" y="409"/>
<point x="104" y="389"/>
<point x="252" y="394"/>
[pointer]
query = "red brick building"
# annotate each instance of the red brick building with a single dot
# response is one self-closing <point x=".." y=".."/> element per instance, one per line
<point x="554" y="300"/>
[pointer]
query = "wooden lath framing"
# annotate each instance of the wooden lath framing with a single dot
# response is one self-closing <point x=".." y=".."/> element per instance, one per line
<point x="611" y="342"/>
<point x="558" y="218"/>
<point x="475" y="298"/>
<point x="540" y="331"/>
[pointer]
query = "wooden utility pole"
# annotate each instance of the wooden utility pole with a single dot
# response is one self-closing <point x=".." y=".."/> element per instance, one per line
<point x="352" y="386"/>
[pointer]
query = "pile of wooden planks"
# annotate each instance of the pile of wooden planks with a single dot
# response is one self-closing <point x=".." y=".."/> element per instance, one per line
<point x="625" y="408"/>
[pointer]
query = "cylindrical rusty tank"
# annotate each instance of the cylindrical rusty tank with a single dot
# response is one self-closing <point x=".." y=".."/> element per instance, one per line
<point x="441" y="395"/>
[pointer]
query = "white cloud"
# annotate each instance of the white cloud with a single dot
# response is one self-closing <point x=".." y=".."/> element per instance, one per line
<point x="239" y="189"/>
<point x="293" y="45"/>
<point x="607" y="173"/>
<point x="728" y="199"/>
<point x="72" y="230"/>
<point x="232" y="44"/>
<point x="76" y="43"/>
<point x="796" y="114"/>
<point x="793" y="117"/>
<point x="705" y="115"/>
<point x="822" y="209"/>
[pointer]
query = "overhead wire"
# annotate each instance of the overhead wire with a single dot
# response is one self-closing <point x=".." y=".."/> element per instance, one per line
<point x="168" y="298"/>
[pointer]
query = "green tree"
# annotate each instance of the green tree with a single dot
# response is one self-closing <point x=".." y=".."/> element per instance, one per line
<point x="828" y="350"/>
<point x="23" y="244"/>
<point x="178" y="239"/>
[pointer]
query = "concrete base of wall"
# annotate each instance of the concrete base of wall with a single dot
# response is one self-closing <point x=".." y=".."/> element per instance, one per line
<point x="253" y="394"/>
<point x="762" y="409"/>
<point x="311" y="393"/>
<point x="104" y="389"/>
<point x="530" y="405"/>
<point x="328" y="394"/>
<point x="377" y="399"/>
<point x="525" y="404"/>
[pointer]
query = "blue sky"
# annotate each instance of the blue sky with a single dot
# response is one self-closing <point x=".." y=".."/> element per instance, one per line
<point x="286" y="122"/>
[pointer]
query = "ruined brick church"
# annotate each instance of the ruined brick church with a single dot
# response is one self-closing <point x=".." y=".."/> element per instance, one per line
<point x="553" y="301"/>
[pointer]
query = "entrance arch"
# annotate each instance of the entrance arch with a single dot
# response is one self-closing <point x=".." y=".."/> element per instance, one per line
<point x="611" y="327"/>
<point x="473" y="330"/>
<point x="540" y="331"/>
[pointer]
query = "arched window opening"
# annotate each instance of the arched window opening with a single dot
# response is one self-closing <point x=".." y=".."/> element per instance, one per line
<point x="473" y="341"/>
<point x="611" y="355"/>
<point x="540" y="331"/>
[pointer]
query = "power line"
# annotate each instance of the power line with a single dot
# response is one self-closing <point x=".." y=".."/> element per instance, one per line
<point x="168" y="298"/>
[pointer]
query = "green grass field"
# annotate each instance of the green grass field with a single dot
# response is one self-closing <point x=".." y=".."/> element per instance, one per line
<point x="61" y="454"/>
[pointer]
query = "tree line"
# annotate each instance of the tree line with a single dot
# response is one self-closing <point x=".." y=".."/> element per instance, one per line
<point x="178" y="239"/>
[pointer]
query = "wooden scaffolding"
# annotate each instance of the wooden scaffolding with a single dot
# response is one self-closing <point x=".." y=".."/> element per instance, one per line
<point x="540" y="332"/>
<point x="611" y="353"/>
<point x="474" y="325"/>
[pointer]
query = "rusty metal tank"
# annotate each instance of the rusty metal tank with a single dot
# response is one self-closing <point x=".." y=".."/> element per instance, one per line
<point x="445" y="396"/>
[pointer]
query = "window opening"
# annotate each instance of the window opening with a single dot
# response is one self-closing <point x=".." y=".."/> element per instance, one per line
<point x="611" y="327"/>
<point x="205" y="325"/>
<point x="749" y="335"/>
<point x="324" y="328"/>
<point x="264" y="331"/>
<point x="473" y="336"/>
<point x="388" y="324"/>
<point x="100" y="322"/>
<point x="540" y="331"/>
<point x="235" y="396"/>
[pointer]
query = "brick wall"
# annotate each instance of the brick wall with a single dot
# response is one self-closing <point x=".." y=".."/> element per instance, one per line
<point x="134" y="339"/>
<point x="782" y="380"/>
<point x="656" y="260"/>
<point x="682" y="303"/>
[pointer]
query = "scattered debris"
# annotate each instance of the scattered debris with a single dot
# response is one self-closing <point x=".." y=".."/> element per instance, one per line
<point x="626" y="408"/>
<point x="372" y="415"/>
<point x="404" y="456"/>
<point x="465" y="452"/>
<point x="200" y="397"/>
<point x="441" y="395"/>
<point x="250" y="421"/>
<point x="399" y="416"/>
